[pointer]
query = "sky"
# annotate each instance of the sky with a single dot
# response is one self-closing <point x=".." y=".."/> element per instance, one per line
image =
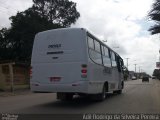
<point x="123" y="23"/>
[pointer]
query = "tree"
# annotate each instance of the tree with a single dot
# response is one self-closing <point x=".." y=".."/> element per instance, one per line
<point x="5" y="49"/>
<point x="156" y="73"/>
<point x="62" y="12"/>
<point x="154" y="14"/>
<point x="16" y="42"/>
<point x="126" y="72"/>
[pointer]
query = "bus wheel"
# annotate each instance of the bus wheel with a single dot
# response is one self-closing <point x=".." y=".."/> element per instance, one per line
<point x="101" y="96"/>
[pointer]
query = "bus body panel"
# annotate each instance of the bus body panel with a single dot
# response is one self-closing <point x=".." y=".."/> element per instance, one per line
<point x="66" y="45"/>
<point x="57" y="60"/>
<point x="97" y="77"/>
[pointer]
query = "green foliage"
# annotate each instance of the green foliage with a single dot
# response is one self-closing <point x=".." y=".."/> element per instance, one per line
<point x="61" y="12"/>
<point x="126" y="73"/>
<point x="156" y="73"/>
<point x="16" y="42"/>
<point x="5" y="44"/>
<point x="154" y="14"/>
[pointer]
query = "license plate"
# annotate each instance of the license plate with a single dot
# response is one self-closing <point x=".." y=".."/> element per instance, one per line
<point x="55" y="79"/>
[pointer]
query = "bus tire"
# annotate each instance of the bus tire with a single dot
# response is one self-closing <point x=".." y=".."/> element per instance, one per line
<point x="100" y="96"/>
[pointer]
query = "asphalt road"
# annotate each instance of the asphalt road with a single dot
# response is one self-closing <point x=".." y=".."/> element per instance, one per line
<point x="137" y="97"/>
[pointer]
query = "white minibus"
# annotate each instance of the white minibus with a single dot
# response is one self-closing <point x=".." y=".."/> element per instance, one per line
<point x="70" y="61"/>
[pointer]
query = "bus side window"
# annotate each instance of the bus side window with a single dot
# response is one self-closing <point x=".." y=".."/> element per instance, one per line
<point x="113" y="58"/>
<point x="106" y="51"/>
<point x="94" y="51"/>
<point x="119" y="66"/>
<point x="90" y="43"/>
<point x="109" y="52"/>
<point x="97" y="46"/>
<point x="103" y="52"/>
<point x="106" y="59"/>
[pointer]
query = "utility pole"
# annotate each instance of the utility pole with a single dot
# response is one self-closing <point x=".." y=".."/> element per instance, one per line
<point x="139" y="72"/>
<point x="135" y="71"/>
<point x="135" y="67"/>
<point x="127" y="62"/>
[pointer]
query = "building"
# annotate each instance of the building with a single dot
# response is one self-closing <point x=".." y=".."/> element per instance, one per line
<point x="13" y="75"/>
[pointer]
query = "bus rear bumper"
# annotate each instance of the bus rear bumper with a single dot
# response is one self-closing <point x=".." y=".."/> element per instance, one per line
<point x="78" y="87"/>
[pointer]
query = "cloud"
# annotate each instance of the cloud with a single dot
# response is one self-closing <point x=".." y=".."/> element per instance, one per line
<point x="124" y="24"/>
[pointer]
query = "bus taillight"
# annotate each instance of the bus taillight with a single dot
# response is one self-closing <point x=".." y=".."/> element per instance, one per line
<point x="84" y="71"/>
